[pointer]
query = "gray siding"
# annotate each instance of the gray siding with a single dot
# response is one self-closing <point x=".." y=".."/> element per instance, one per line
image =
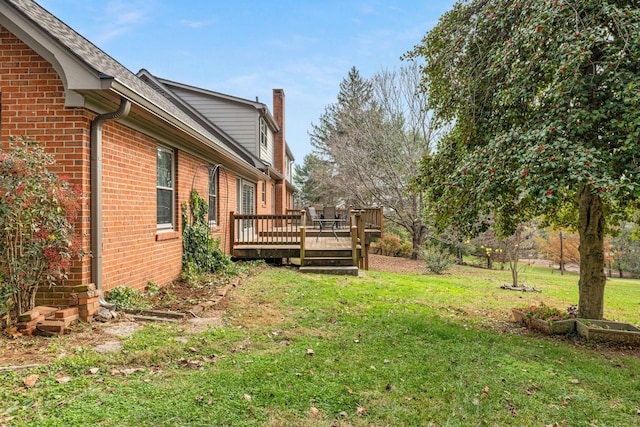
<point x="268" y="153"/>
<point x="238" y="121"/>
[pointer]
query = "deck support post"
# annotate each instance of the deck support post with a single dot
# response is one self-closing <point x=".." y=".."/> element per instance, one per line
<point x="232" y="230"/>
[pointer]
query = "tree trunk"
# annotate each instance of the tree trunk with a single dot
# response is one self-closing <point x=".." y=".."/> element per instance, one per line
<point x="418" y="237"/>
<point x="591" y="225"/>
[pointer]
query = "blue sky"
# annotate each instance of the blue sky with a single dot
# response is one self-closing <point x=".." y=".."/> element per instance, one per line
<point x="247" y="48"/>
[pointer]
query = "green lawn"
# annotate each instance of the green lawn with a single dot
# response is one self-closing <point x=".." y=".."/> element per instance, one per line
<point x="378" y="350"/>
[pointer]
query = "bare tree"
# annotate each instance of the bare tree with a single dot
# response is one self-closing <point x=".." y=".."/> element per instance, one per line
<point x="375" y="137"/>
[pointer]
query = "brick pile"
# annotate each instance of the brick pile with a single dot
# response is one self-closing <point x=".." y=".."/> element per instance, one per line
<point x="44" y="320"/>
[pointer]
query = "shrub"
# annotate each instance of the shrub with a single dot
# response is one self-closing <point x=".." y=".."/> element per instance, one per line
<point x="389" y="244"/>
<point x="126" y="298"/>
<point x="38" y="210"/>
<point x="438" y="259"/>
<point x="201" y="253"/>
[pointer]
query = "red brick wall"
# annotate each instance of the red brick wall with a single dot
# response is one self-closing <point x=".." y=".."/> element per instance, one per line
<point x="134" y="252"/>
<point x="32" y="105"/>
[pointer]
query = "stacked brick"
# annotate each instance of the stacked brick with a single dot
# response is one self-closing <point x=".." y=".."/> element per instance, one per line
<point x="44" y="320"/>
<point x="86" y="298"/>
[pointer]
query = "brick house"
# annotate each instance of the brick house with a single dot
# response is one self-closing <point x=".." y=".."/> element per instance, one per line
<point x="136" y="152"/>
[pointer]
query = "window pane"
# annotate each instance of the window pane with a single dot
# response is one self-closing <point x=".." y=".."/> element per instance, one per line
<point x="165" y="206"/>
<point x="164" y="169"/>
<point x="248" y="199"/>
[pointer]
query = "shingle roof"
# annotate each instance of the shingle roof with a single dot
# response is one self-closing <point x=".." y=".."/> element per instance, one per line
<point x="97" y="60"/>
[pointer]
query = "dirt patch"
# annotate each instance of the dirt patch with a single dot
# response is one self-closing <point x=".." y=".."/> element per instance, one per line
<point x="179" y="296"/>
<point x="397" y="265"/>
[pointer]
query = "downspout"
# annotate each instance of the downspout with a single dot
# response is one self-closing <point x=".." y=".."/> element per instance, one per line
<point x="96" y="192"/>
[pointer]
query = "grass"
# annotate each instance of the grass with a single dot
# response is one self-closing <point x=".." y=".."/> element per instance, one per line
<point x="381" y="350"/>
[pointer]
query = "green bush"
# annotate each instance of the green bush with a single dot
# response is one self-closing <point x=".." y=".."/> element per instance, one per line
<point x="126" y="298"/>
<point x="438" y="259"/>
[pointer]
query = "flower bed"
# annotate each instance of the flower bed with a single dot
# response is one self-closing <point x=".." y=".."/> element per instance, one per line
<point x="546" y="319"/>
<point x="607" y="331"/>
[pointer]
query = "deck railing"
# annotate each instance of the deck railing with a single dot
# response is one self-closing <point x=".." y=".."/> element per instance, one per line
<point x="253" y="229"/>
<point x="373" y="217"/>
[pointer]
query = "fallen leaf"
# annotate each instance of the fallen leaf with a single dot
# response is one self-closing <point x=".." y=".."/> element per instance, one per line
<point x="476" y="401"/>
<point x="94" y="371"/>
<point x="310" y="352"/>
<point x="574" y="381"/>
<point x="310" y="372"/>
<point x="131" y="371"/>
<point x="351" y="391"/>
<point x="30" y="381"/>
<point x="343" y="414"/>
<point x="63" y="380"/>
<point x="361" y="410"/>
<point x="246" y="397"/>
<point x="485" y="391"/>
<point x="314" y="411"/>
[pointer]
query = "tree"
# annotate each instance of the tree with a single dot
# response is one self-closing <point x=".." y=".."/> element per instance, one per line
<point x="310" y="179"/>
<point x="515" y="245"/>
<point x="626" y="250"/>
<point x="560" y="247"/>
<point x="543" y="97"/>
<point x="374" y="137"/>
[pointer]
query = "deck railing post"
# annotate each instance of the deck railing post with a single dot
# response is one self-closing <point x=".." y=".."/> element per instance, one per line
<point x="361" y="236"/>
<point x="354" y="245"/>
<point x="232" y="229"/>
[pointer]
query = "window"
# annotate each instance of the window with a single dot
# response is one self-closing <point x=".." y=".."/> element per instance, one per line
<point x="247" y="204"/>
<point x="273" y="199"/>
<point x="263" y="132"/>
<point x="165" y="188"/>
<point x="248" y="198"/>
<point x="213" y="197"/>
<point x="264" y="192"/>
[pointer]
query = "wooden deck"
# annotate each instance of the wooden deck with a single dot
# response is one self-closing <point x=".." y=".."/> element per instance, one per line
<point x="289" y="237"/>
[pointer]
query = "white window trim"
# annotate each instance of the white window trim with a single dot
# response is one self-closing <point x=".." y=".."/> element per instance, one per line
<point x="264" y="133"/>
<point x="169" y="226"/>
<point x="213" y="176"/>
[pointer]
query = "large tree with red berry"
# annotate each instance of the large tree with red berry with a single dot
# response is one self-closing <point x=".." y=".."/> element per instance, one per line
<point x="544" y="97"/>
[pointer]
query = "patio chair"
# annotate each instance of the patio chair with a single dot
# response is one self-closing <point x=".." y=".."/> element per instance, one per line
<point x="330" y="212"/>
<point x="312" y="216"/>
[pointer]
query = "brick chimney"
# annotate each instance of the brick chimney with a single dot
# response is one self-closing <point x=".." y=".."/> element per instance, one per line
<point x="280" y="156"/>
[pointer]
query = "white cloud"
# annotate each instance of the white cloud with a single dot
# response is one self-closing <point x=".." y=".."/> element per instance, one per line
<point x="122" y="17"/>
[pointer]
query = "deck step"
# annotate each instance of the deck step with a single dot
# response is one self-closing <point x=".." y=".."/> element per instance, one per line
<point x="338" y="270"/>
<point x="328" y="261"/>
